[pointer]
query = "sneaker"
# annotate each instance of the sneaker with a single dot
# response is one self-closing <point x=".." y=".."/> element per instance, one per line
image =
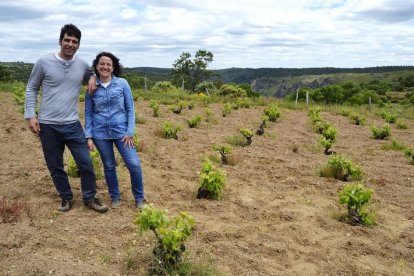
<point x="116" y="203"/>
<point x="97" y="206"/>
<point x="65" y="205"/>
<point x="140" y="204"/>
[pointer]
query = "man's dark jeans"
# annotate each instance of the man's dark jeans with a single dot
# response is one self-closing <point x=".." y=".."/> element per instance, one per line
<point x="53" y="139"/>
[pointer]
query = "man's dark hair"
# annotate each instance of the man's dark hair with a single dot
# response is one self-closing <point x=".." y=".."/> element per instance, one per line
<point x="70" y="30"/>
<point x="115" y="63"/>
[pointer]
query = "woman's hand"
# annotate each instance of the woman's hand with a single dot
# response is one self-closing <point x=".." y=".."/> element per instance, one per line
<point x="128" y="141"/>
<point x="91" y="145"/>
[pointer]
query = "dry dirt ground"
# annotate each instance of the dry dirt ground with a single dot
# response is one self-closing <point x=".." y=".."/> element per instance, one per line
<point x="275" y="218"/>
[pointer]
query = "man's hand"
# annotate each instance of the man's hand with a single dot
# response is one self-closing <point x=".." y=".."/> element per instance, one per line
<point x="92" y="84"/>
<point x="34" y="125"/>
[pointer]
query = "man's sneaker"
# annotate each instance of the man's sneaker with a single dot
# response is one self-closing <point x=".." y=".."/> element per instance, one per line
<point x="140" y="204"/>
<point x="65" y="205"/>
<point x="97" y="206"/>
<point x="116" y="203"/>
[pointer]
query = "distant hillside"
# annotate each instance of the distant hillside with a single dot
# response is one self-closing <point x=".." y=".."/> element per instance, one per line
<point x="276" y="82"/>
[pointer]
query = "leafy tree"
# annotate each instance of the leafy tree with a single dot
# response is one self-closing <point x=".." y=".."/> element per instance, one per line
<point x="5" y="74"/>
<point x="191" y="72"/>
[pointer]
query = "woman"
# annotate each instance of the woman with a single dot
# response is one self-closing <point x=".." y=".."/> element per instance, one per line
<point x="109" y="121"/>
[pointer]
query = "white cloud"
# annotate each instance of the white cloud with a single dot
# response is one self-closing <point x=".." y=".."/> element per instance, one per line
<point x="240" y="33"/>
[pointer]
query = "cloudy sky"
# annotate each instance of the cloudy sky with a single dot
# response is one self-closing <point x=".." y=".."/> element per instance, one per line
<point x="239" y="33"/>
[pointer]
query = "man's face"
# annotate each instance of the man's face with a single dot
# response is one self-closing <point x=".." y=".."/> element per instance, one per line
<point x="68" y="46"/>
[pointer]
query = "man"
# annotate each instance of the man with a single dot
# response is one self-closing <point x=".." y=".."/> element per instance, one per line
<point x="60" y="76"/>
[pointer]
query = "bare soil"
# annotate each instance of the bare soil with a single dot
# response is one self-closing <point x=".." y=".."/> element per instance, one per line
<point x="276" y="216"/>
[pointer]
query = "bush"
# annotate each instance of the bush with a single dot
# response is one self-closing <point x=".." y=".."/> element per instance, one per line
<point x="96" y="162"/>
<point x="357" y="119"/>
<point x="171" y="235"/>
<point x="381" y="132"/>
<point x="328" y="138"/>
<point x="224" y="151"/>
<point x="194" y="122"/>
<point x="176" y="109"/>
<point x="232" y="91"/>
<point x="410" y="155"/>
<point x="401" y="124"/>
<point x="248" y="134"/>
<point x="394" y="145"/>
<point x="390" y="117"/>
<point x="206" y="86"/>
<point x="340" y="168"/>
<point x="212" y="181"/>
<point x="236" y="140"/>
<point x="170" y="130"/>
<point x="272" y="112"/>
<point x="356" y="197"/>
<point x="226" y="109"/>
<point x="155" y="108"/>
<point x="164" y="87"/>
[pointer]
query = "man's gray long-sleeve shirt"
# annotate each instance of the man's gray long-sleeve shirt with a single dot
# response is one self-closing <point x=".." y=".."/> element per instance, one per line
<point x="60" y="81"/>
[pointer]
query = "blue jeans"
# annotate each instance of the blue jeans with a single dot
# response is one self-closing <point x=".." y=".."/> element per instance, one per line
<point x="53" y="139"/>
<point x="132" y="162"/>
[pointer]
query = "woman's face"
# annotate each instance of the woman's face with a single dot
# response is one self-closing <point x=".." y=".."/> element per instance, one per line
<point x="105" y="67"/>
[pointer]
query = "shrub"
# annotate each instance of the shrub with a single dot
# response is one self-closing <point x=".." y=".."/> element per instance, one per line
<point x="171" y="235"/>
<point x="356" y="197"/>
<point x="232" y="91"/>
<point x="155" y="108"/>
<point x="212" y="181"/>
<point x="357" y="119"/>
<point x="314" y="114"/>
<point x="390" y="117"/>
<point x="248" y="134"/>
<point x="328" y="138"/>
<point x="194" y="121"/>
<point x="209" y="115"/>
<point x="401" y="124"/>
<point x="243" y="103"/>
<point x="394" y="145"/>
<point x="345" y="112"/>
<point x="224" y="151"/>
<point x="236" y="140"/>
<point x="170" y="130"/>
<point x="226" y="109"/>
<point x="321" y="126"/>
<point x="206" y="86"/>
<point x="410" y="155"/>
<point x="340" y="168"/>
<point x="381" y="132"/>
<point x="176" y="109"/>
<point x="272" y="112"/>
<point x="164" y="87"/>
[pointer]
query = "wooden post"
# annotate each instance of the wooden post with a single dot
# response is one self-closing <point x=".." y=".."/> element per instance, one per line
<point x="297" y="95"/>
<point x="145" y="84"/>
<point x="307" y="98"/>
<point x="369" y="104"/>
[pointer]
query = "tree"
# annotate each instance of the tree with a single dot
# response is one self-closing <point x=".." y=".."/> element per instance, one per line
<point x="189" y="73"/>
<point x="5" y="73"/>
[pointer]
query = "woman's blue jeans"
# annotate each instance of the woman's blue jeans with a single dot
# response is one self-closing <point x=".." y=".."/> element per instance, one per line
<point x="132" y="162"/>
<point x="53" y="139"/>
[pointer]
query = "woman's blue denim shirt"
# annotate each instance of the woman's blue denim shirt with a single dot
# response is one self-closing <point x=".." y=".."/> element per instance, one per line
<point x="109" y="112"/>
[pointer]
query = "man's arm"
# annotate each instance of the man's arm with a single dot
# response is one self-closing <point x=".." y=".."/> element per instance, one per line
<point x="32" y="91"/>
